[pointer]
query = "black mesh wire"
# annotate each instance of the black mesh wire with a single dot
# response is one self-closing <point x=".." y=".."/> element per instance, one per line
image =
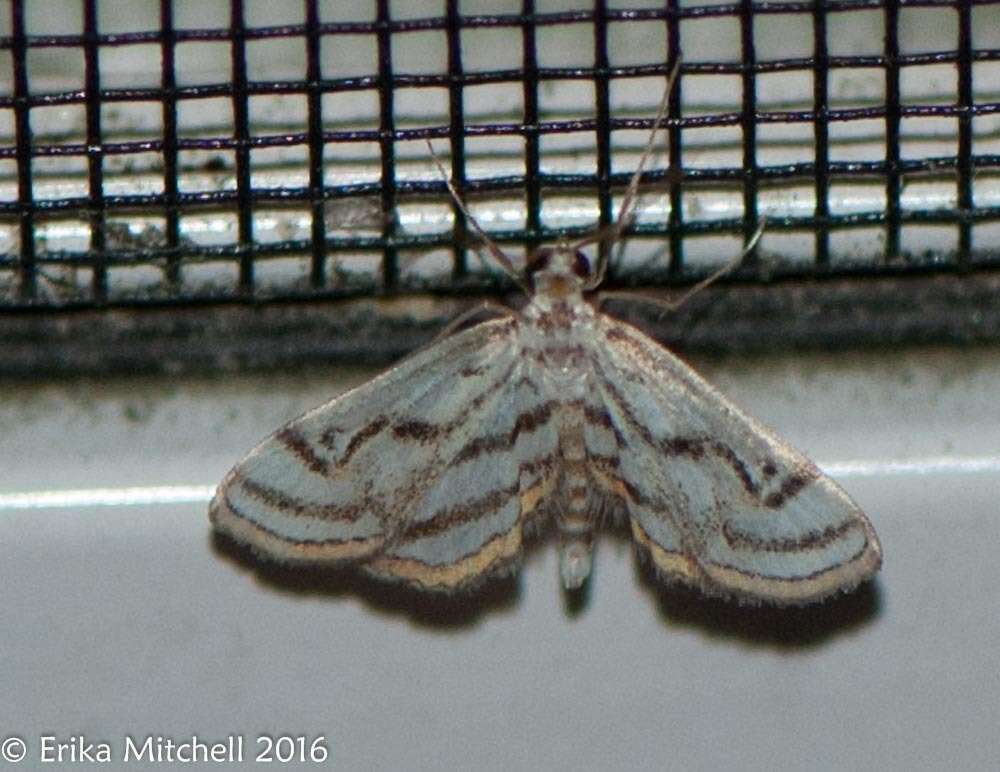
<point x="274" y="151"/>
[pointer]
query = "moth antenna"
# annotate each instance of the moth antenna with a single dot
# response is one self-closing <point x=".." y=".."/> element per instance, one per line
<point x="729" y="267"/>
<point x="670" y="306"/>
<point x="625" y="212"/>
<point x="497" y="254"/>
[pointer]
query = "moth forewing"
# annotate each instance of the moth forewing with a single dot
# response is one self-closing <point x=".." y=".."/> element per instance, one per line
<point x="412" y="473"/>
<point x="714" y="498"/>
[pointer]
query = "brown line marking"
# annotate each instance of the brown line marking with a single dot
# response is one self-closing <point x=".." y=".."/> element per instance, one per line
<point x="616" y="334"/>
<point x="296" y="442"/>
<point x="792" y="485"/>
<point x="282" y="502"/>
<point x="695" y="447"/>
<point x="600" y="417"/>
<point x="815" y="540"/>
<point x="533" y="495"/>
<point x="485" y="394"/>
<point x="729" y="455"/>
<point x="543" y="465"/>
<point x="414" y="429"/>
<point x="547" y="322"/>
<point x="527" y="422"/>
<point x="609" y="462"/>
<point x="471" y="511"/>
<point x="419" y="431"/>
<point x="359" y="438"/>
<point x="620" y="335"/>
<point x="684" y="446"/>
<point x="570" y="352"/>
<point x="241" y="518"/>
<point x="793" y="579"/>
<point x="477" y="446"/>
<point x="490" y="502"/>
<point x="604" y="473"/>
<point x="623" y="406"/>
<point x="634" y="493"/>
<point x="424" y="432"/>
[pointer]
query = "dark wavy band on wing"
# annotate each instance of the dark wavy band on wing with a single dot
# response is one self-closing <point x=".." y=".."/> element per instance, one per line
<point x="466" y="512"/>
<point x="739" y="540"/>
<point x="229" y="520"/>
<point x="525" y="422"/>
<point x="289" y="505"/>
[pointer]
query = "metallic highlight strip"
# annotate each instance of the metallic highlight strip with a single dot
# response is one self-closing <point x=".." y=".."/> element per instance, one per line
<point x="107" y="497"/>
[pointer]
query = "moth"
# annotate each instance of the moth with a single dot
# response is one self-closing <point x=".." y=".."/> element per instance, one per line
<point x="435" y="472"/>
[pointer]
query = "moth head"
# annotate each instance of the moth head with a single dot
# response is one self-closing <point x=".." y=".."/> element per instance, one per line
<point x="557" y="271"/>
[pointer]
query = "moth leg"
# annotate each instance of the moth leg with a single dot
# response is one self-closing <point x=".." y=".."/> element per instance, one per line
<point x="484" y="308"/>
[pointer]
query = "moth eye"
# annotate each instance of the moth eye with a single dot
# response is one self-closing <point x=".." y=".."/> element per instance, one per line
<point x="581" y="265"/>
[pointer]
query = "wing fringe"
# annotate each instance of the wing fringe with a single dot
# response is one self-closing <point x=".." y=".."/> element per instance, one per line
<point x="266" y="543"/>
<point x="755" y="589"/>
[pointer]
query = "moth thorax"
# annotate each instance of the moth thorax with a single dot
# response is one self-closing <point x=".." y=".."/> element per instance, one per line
<point x="563" y="364"/>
